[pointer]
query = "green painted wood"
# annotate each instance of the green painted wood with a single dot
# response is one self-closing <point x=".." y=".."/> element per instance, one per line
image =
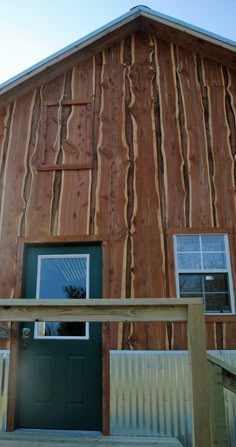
<point x="59" y="382"/>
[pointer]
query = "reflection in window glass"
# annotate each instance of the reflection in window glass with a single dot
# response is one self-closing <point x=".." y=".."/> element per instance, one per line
<point x="213" y="288"/>
<point x="62" y="276"/>
<point x="213" y="243"/>
<point x="214" y="260"/>
<point x="189" y="261"/>
<point x="190" y="284"/>
<point x="188" y="243"/>
<point x="217" y="302"/>
<point x="216" y="282"/>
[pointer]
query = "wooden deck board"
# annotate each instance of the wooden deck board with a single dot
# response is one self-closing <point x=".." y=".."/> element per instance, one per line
<point x="51" y="440"/>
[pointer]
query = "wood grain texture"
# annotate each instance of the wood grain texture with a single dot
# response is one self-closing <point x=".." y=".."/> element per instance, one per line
<point x="146" y="211"/>
<point x="51" y="440"/>
<point x="145" y="129"/>
<point x="200" y="386"/>
<point x="217" y="406"/>
<point x="196" y="144"/>
<point x="223" y="176"/>
<point x="5" y="129"/>
<point x="155" y="125"/>
<point x="13" y="204"/>
<point x="114" y="95"/>
<point x="171" y="157"/>
<point x="148" y="279"/>
<point x="190" y="310"/>
<point x="44" y="185"/>
<point x="95" y="310"/>
<point x="78" y="141"/>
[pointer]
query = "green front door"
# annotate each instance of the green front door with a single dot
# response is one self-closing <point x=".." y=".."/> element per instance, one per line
<point x="59" y="378"/>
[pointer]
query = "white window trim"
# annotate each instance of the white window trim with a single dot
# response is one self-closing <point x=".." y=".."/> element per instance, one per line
<point x="226" y="270"/>
<point x="36" y="324"/>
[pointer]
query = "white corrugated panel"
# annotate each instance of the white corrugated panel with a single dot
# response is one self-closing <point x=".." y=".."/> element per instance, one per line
<point x="151" y="394"/>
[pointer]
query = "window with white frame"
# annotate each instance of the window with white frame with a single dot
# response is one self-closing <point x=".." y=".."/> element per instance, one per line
<point x="203" y="270"/>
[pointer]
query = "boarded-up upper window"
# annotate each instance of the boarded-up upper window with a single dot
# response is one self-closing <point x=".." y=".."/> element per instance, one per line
<point x="66" y="137"/>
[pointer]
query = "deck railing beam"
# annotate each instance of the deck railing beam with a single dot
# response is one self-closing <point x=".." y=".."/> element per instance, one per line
<point x="110" y="310"/>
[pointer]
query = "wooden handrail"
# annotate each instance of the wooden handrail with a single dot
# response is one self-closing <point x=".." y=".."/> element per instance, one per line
<point x="157" y="309"/>
<point x="221" y="375"/>
<point x="228" y="372"/>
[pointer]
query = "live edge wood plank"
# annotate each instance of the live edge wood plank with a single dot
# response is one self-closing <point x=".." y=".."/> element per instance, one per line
<point x="68" y="102"/>
<point x="65" y="167"/>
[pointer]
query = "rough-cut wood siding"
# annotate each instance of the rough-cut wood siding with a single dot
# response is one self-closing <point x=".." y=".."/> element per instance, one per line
<point x="156" y="141"/>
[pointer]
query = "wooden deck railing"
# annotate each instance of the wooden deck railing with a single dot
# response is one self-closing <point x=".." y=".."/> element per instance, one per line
<point x="221" y="375"/>
<point x="110" y="310"/>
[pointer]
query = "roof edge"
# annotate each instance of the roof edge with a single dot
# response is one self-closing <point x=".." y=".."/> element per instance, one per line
<point x="134" y="12"/>
<point x="189" y="26"/>
<point x="72" y="46"/>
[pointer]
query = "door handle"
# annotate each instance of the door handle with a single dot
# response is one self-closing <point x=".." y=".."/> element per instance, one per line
<point x="25" y="333"/>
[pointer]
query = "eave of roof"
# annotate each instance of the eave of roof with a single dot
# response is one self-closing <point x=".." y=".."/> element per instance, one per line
<point x="134" y="13"/>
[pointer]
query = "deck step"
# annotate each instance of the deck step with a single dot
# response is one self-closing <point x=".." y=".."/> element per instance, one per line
<point x="39" y="439"/>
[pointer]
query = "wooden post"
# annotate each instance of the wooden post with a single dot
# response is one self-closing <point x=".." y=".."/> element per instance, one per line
<point x="217" y="406"/>
<point x="199" y="369"/>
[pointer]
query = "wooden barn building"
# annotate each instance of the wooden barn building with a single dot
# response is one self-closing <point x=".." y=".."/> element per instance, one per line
<point x="117" y="180"/>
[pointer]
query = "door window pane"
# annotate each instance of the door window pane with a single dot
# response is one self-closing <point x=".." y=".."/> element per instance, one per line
<point x="62" y="276"/>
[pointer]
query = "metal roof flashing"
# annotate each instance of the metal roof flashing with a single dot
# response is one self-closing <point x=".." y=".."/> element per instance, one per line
<point x="135" y="12"/>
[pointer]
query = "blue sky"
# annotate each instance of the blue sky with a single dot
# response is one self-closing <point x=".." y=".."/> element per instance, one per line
<point x="31" y="30"/>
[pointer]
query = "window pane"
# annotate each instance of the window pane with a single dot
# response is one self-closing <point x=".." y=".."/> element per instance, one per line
<point x="189" y="261"/>
<point x="213" y="243"/>
<point x="217" y="302"/>
<point x="64" y="329"/>
<point x="62" y="277"/>
<point x="190" y="284"/>
<point x="216" y="283"/>
<point x="203" y="271"/>
<point x="59" y="273"/>
<point x="214" y="260"/>
<point x="188" y="243"/>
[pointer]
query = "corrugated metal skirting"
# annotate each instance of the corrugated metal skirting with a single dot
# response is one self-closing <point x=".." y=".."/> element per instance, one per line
<point x="4" y="371"/>
<point x="151" y="394"/>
